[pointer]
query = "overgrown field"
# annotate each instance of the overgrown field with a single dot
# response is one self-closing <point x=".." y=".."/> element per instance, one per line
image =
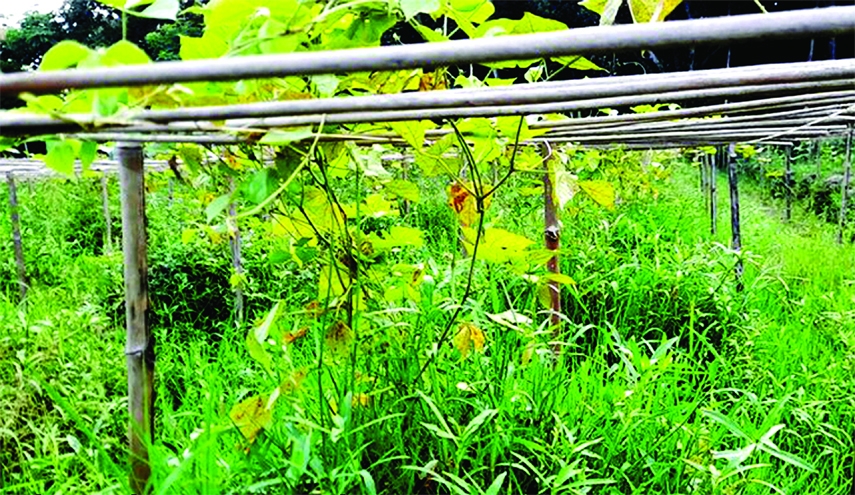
<point x="668" y="381"/>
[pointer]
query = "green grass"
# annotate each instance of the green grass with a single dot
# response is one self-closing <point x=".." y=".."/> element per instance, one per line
<point x="670" y="381"/>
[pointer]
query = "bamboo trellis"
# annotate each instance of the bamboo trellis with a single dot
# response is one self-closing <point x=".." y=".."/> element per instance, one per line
<point x="777" y="103"/>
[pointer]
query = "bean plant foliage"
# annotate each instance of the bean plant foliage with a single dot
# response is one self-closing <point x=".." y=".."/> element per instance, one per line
<point x="342" y="212"/>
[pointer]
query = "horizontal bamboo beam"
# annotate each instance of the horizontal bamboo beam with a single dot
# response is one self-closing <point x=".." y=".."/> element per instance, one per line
<point x="516" y="100"/>
<point x="831" y="21"/>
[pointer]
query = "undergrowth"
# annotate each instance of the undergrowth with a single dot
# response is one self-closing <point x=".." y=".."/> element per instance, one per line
<point x="669" y="381"/>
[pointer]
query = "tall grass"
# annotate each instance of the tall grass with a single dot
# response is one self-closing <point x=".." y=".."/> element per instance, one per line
<point x="670" y="381"/>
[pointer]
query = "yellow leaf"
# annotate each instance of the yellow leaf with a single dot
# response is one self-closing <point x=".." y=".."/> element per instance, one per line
<point x="251" y="415"/>
<point x="469" y="337"/>
<point x="360" y="399"/>
<point x="292" y="382"/>
<point x="461" y="200"/>
<point x="601" y="191"/>
<point x="651" y="10"/>
<point x="528" y="352"/>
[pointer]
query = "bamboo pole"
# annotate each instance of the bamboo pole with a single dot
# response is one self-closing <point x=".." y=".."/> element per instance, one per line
<point x="713" y="194"/>
<point x="736" y="233"/>
<point x="23" y="282"/>
<point x="552" y="238"/>
<point x="140" y="344"/>
<point x="844" y="188"/>
<point x="234" y="244"/>
<point x="108" y="221"/>
<point x="788" y="183"/>
<point x="582" y="41"/>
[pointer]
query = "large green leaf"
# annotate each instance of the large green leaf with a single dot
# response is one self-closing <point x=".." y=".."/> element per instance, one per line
<point x="124" y="52"/>
<point x="200" y="48"/>
<point x="60" y="157"/>
<point x="601" y="191"/>
<point x="63" y="55"/>
<point x="403" y="189"/>
<point x="413" y="132"/>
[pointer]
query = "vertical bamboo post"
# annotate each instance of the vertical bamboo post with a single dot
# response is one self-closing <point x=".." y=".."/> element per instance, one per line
<point x="705" y="169"/>
<point x="234" y="243"/>
<point x="552" y="237"/>
<point x="736" y="234"/>
<point x="788" y="183"/>
<point x="844" y="188"/>
<point x="23" y="283"/>
<point x="108" y="221"/>
<point x="139" y="348"/>
<point x="713" y="194"/>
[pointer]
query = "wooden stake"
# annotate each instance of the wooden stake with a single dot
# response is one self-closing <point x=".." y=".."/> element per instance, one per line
<point x="140" y="344"/>
<point x="844" y="188"/>
<point x="552" y="236"/>
<point x="736" y="235"/>
<point x="23" y="283"/>
<point x="108" y="221"/>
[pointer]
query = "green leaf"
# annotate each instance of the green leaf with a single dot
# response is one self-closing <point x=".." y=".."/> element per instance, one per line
<point x="262" y="331"/>
<point x="88" y="150"/>
<point x="577" y="62"/>
<point x="473" y="11"/>
<point x="497" y="245"/>
<point x="63" y="55"/>
<point x="154" y="9"/>
<point x="726" y="422"/>
<point x="60" y="157"/>
<point x="326" y="84"/>
<point x="477" y="422"/>
<point x="431" y="160"/>
<point x="217" y="206"/>
<point x="413" y="132"/>
<point x="431" y="35"/>
<point x="496" y="485"/>
<point x="207" y="46"/>
<point x="403" y="189"/>
<point x="124" y="52"/>
<point x="260" y="186"/>
<point x="601" y="191"/>
<point x="413" y="7"/>
<point x="398" y="236"/>
<point x="257" y="352"/>
<point x="278" y="137"/>
<point x="368" y="481"/>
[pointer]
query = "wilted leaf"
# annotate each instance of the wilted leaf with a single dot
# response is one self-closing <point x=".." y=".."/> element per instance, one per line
<point x="251" y="415"/>
<point x="290" y="337"/>
<point x="469" y="337"/>
<point x="292" y="382"/>
<point x="461" y="200"/>
<point x="339" y="338"/>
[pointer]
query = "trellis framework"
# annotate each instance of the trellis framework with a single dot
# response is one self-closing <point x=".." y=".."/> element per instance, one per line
<point x="774" y="104"/>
